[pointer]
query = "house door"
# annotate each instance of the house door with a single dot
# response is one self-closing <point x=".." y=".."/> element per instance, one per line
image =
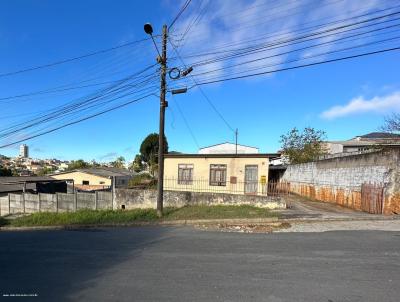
<point x="251" y="179"/>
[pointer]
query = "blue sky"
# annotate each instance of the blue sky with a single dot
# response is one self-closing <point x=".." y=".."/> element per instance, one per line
<point x="344" y="99"/>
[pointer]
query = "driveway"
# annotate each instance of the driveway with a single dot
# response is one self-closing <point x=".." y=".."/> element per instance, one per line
<point x="301" y="207"/>
<point x="184" y="264"/>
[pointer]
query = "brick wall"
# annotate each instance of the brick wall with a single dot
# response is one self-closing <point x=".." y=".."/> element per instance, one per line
<point x="339" y="180"/>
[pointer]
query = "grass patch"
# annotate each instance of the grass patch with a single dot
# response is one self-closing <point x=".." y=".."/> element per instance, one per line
<point x="107" y="217"/>
<point x="86" y="217"/>
<point x="3" y="221"/>
<point x="217" y="212"/>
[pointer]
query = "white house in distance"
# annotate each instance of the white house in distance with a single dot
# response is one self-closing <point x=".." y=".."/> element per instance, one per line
<point x="228" y="148"/>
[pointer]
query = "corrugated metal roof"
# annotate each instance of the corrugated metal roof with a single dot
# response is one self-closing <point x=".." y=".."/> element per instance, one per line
<point x="380" y="135"/>
<point x="16" y="183"/>
<point x="102" y="171"/>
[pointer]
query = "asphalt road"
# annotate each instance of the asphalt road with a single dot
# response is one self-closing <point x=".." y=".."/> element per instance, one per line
<point x="184" y="264"/>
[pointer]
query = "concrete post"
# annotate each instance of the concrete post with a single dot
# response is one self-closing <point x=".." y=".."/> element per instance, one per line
<point x="112" y="191"/>
<point x="23" y="201"/>
<point x="95" y="200"/>
<point x="75" y="201"/>
<point x="9" y="203"/>
<point x="39" y="202"/>
<point x="56" y="203"/>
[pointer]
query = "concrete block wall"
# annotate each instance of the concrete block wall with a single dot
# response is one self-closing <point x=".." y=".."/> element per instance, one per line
<point x="132" y="199"/>
<point x="60" y="202"/>
<point x="47" y="202"/>
<point x="339" y="180"/>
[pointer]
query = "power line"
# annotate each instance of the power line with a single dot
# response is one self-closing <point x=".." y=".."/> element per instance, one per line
<point x="285" y="33"/>
<point x="301" y="39"/>
<point x="75" y="122"/>
<point x="64" y="113"/>
<point x="204" y="94"/>
<point x="194" y="22"/>
<point x="185" y="5"/>
<point x="340" y="40"/>
<point x="186" y="123"/>
<point x="242" y="25"/>
<point x="91" y="99"/>
<point x="75" y="105"/>
<point x="71" y="59"/>
<point x="297" y="67"/>
<point x="54" y="91"/>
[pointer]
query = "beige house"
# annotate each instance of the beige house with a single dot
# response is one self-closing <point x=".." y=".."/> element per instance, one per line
<point x="219" y="173"/>
<point x="96" y="178"/>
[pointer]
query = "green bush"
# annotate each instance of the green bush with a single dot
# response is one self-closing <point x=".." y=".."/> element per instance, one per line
<point x="3" y="221"/>
<point x="143" y="180"/>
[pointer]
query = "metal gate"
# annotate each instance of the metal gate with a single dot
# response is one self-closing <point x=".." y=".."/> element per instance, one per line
<point x="372" y="197"/>
<point x="251" y="179"/>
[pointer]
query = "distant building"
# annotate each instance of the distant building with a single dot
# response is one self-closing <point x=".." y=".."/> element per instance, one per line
<point x="228" y="148"/>
<point x="93" y="179"/>
<point x="23" y="151"/>
<point x="31" y="184"/>
<point x="62" y="166"/>
<point x="362" y="143"/>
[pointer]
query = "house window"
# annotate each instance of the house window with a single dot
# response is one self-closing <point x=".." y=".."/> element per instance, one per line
<point x="217" y="175"/>
<point x="102" y="182"/>
<point x="185" y="174"/>
<point x="85" y="182"/>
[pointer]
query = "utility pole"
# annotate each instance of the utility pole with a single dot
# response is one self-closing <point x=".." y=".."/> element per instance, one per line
<point x="236" y="138"/>
<point x="163" y="104"/>
<point x="162" y="59"/>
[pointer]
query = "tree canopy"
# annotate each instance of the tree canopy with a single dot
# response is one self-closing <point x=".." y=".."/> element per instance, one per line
<point x="5" y="171"/>
<point x="149" y="148"/>
<point x="305" y="146"/>
<point x="392" y="123"/>
<point x="137" y="164"/>
<point x="78" y="164"/>
<point x="119" y="162"/>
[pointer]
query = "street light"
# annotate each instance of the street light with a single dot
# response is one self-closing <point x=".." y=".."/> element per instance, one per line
<point x="179" y="91"/>
<point x="148" y="29"/>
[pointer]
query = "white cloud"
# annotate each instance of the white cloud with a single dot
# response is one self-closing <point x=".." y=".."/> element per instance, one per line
<point x="380" y="104"/>
<point x="228" y="25"/>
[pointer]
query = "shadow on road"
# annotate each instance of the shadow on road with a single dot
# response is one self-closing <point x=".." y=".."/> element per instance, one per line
<point x="55" y="265"/>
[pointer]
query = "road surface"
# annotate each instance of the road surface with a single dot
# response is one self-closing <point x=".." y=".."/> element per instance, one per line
<point x="184" y="264"/>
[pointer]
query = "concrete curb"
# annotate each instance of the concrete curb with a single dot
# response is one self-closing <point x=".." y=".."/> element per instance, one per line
<point x="259" y="221"/>
<point x="144" y="223"/>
